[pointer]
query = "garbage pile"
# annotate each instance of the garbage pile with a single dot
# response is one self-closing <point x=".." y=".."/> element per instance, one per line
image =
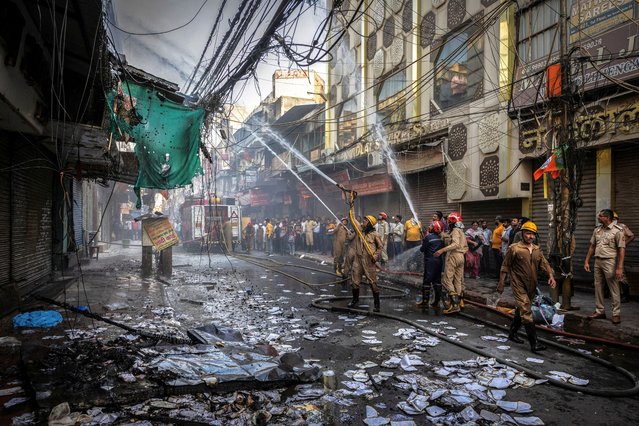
<point x="237" y="408"/>
<point x="96" y="372"/>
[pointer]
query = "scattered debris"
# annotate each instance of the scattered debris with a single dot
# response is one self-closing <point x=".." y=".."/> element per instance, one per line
<point x="12" y="391"/>
<point x="61" y="415"/>
<point x="565" y="377"/>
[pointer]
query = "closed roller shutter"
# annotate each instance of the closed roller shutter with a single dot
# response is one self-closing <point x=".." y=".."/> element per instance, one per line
<point x="8" y="296"/>
<point x="31" y="206"/>
<point x="626" y="203"/>
<point x="488" y="210"/>
<point x="77" y="214"/>
<point x="428" y="192"/>
<point x="388" y="203"/>
<point x="586" y="218"/>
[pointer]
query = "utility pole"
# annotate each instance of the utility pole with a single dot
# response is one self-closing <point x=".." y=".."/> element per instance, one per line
<point x="566" y="199"/>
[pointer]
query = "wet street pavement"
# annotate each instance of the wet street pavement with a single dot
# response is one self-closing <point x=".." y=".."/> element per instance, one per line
<point x="342" y="368"/>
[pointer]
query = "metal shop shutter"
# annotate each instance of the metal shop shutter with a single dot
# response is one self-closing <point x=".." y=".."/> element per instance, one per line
<point x="388" y="202"/>
<point x="77" y="213"/>
<point x="428" y="192"/>
<point x="626" y="202"/>
<point x="586" y="218"/>
<point x="490" y="209"/>
<point x="31" y="212"/>
<point x="8" y="296"/>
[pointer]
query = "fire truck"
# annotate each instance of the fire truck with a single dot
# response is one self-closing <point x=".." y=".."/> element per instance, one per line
<point x="206" y="225"/>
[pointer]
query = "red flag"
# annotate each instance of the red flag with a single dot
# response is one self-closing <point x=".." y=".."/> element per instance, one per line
<point x="554" y="164"/>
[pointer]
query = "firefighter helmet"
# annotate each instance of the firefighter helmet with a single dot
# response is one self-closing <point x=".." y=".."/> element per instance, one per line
<point x="437" y="227"/>
<point x="454" y="217"/>
<point x="529" y="226"/>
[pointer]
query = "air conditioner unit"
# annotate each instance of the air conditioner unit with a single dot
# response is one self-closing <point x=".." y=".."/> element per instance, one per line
<point x="375" y="159"/>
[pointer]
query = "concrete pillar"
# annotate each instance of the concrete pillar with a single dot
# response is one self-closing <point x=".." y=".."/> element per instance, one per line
<point x="166" y="262"/>
<point x="147" y="260"/>
<point x="603" y="183"/>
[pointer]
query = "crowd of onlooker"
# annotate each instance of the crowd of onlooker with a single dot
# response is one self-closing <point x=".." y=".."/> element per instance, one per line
<point x="289" y="236"/>
<point x="487" y="247"/>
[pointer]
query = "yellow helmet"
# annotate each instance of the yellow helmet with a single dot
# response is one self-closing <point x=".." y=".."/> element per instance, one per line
<point x="529" y="226"/>
<point x="371" y="219"/>
<point x="615" y="216"/>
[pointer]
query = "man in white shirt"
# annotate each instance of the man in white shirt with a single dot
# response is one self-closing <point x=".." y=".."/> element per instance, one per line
<point x="397" y="235"/>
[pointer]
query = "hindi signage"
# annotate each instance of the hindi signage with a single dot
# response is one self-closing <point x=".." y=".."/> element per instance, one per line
<point x="160" y="232"/>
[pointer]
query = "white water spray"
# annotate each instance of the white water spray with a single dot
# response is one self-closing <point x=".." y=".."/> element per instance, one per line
<point x="279" y="139"/>
<point x="380" y="133"/>
<point x="297" y="176"/>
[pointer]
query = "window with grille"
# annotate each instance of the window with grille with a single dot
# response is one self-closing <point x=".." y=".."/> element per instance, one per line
<point x="538" y="31"/>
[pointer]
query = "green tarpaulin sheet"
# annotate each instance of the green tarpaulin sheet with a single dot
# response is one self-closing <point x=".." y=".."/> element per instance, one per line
<point x="158" y="127"/>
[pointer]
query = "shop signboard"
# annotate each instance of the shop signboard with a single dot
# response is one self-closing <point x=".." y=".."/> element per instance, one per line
<point x="160" y="232"/>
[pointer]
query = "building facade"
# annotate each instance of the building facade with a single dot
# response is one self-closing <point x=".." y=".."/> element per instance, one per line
<point x="258" y="177"/>
<point x="435" y="76"/>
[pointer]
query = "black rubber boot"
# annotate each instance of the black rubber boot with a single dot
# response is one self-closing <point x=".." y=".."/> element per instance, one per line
<point x="454" y="304"/>
<point x="447" y="301"/>
<point x="355" y="301"/>
<point x="425" y="298"/>
<point x="376" y="301"/>
<point x="625" y="293"/>
<point x="535" y="346"/>
<point x="438" y="295"/>
<point x="514" y="328"/>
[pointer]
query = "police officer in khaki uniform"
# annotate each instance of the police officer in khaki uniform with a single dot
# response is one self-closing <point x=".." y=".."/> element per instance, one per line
<point x="363" y="263"/>
<point x="522" y="261"/>
<point x="453" y="279"/>
<point x="609" y="247"/>
<point x="629" y="237"/>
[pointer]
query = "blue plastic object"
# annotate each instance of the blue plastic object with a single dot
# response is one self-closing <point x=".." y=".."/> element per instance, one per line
<point x="37" y="319"/>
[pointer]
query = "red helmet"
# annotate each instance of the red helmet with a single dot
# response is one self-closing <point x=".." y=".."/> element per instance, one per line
<point x="383" y="215"/>
<point x="454" y="217"/>
<point x="437" y="227"/>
